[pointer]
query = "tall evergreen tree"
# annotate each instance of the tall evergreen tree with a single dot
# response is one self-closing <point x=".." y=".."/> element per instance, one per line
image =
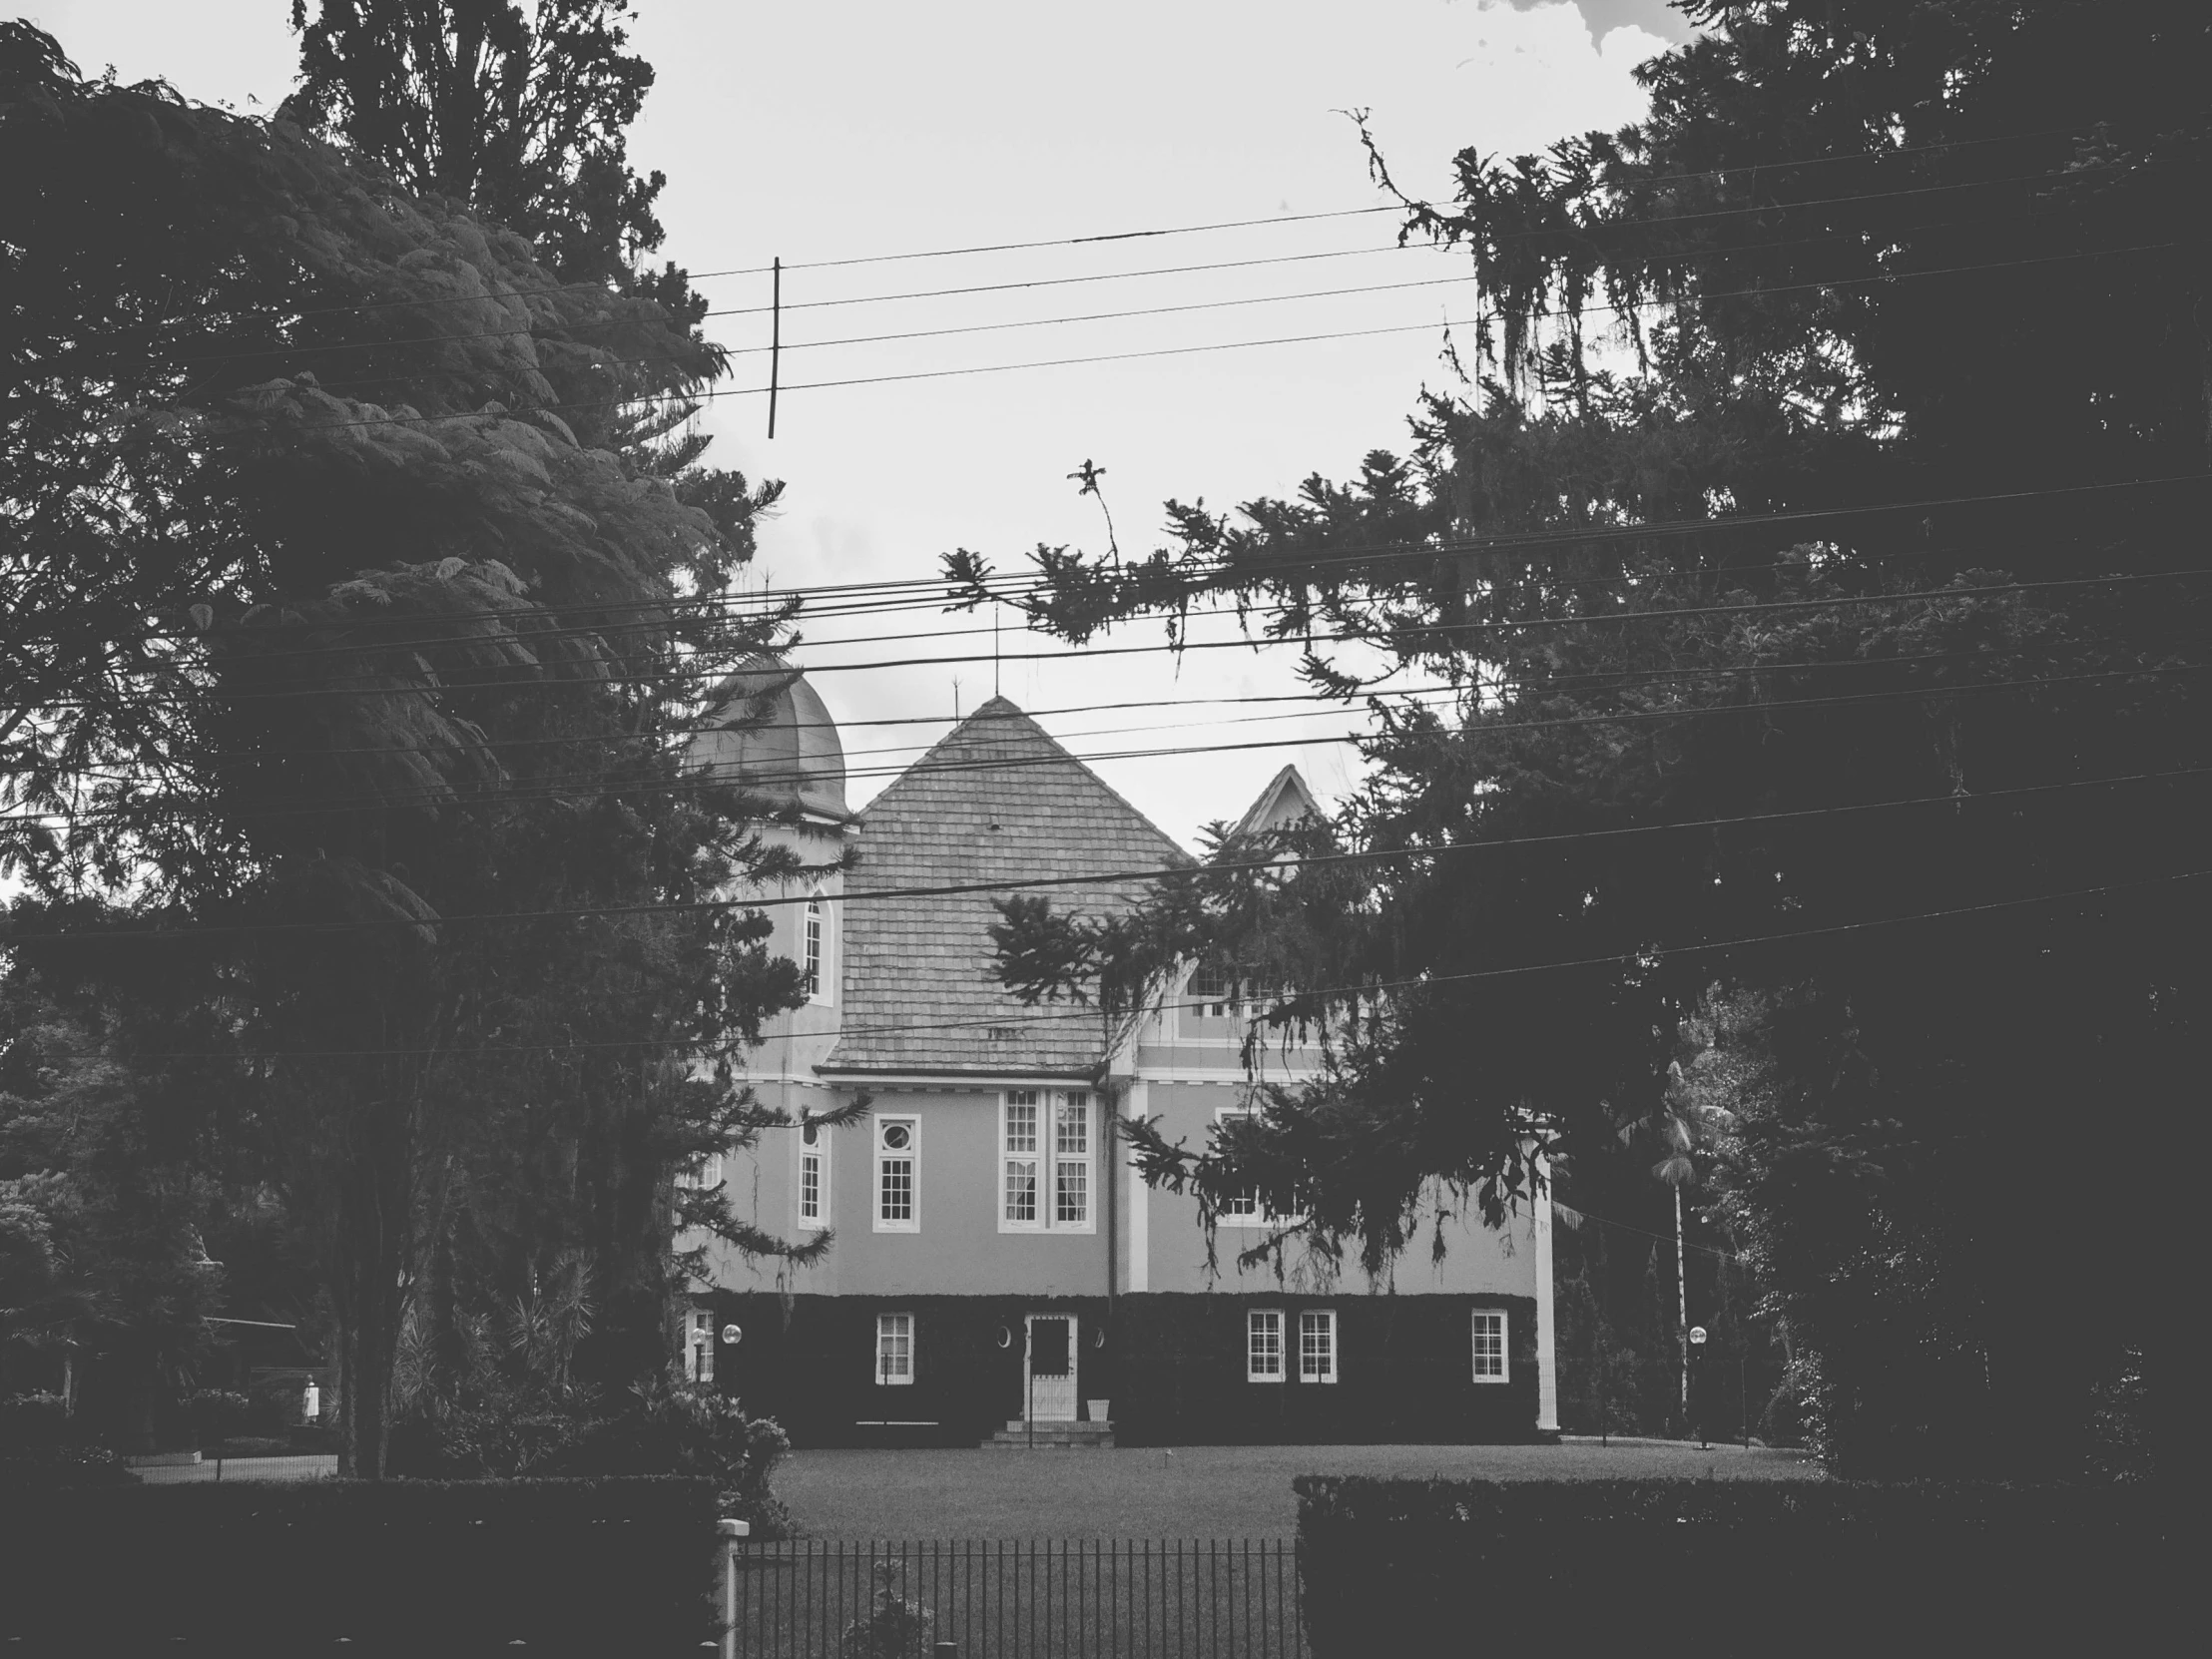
<point x="345" y="618"/>
<point x="521" y="113"/>
<point x="1840" y="441"/>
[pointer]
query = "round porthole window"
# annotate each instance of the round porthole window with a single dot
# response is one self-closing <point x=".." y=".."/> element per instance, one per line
<point x="731" y="1335"/>
<point x="1098" y="1337"/>
<point x="1005" y="1336"/>
<point x="897" y="1136"/>
<point x="810" y="1133"/>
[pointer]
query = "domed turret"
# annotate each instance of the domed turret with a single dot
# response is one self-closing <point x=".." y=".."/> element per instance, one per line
<point x="771" y="735"/>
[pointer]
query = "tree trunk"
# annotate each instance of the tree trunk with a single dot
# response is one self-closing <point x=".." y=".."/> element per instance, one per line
<point x="375" y="1239"/>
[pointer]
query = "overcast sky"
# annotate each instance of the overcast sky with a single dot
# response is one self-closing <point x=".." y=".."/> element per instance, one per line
<point x="818" y="132"/>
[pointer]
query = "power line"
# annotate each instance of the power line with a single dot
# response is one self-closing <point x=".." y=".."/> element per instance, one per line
<point x="1576" y="1216"/>
<point x="710" y="393"/>
<point x="1106" y="878"/>
<point x="1185" y="230"/>
<point x="514" y="292"/>
<point x="1020" y="1018"/>
<point x="763" y="780"/>
<point x="931" y="590"/>
<point x="1406" y="640"/>
<point x="1595" y="682"/>
<point x="322" y="347"/>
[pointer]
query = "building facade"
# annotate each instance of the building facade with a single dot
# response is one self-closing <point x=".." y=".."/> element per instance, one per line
<point x="995" y="1260"/>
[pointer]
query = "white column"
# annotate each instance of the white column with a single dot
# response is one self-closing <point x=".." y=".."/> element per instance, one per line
<point x="1547" y="1370"/>
<point x="1136" y="1211"/>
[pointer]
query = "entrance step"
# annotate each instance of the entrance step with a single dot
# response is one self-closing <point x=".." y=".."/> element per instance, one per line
<point x="1018" y="1435"/>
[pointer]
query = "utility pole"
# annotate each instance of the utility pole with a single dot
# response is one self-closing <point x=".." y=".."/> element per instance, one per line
<point x="1682" y="1296"/>
<point x="775" y="339"/>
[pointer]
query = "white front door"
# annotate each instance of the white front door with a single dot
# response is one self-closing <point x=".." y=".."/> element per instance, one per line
<point x="1048" y="1365"/>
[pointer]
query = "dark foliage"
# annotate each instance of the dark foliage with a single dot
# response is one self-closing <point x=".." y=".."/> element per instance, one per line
<point x="581" y="1567"/>
<point x="1814" y="569"/>
<point x="352" y="595"/>
<point x="520" y="112"/>
<point x="1729" y="1566"/>
<point x="654" y="1428"/>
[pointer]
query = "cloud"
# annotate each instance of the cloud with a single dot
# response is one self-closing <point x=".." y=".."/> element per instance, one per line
<point x="1654" y="17"/>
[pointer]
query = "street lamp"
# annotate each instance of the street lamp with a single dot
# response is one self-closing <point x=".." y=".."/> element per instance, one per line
<point x="1697" y="1341"/>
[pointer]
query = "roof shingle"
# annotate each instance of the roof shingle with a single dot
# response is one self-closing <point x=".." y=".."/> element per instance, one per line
<point x="995" y="800"/>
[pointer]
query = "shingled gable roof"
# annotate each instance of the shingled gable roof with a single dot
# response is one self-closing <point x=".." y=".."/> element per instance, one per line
<point x="996" y="800"/>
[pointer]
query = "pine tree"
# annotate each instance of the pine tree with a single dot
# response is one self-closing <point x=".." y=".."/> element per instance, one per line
<point x="1835" y="441"/>
<point x="344" y="613"/>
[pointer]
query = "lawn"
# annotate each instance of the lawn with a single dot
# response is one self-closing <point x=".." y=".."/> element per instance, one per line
<point x="1187" y="1492"/>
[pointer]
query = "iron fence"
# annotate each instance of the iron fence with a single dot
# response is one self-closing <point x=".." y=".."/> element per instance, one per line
<point x="1143" y="1598"/>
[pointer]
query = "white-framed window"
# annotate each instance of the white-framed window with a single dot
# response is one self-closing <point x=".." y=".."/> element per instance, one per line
<point x="1210" y="994"/>
<point x="897" y="1175"/>
<point x="1264" y="1345"/>
<point x="1019" y="1110"/>
<point x="1071" y="1160"/>
<point x="813" y="1176"/>
<point x="815" y="964"/>
<point x="1316" y="1345"/>
<point x="699" y="1345"/>
<point x="704" y="1172"/>
<point x="1490" y="1345"/>
<point x="1047" y="1156"/>
<point x="894" y="1349"/>
<point x="1241" y="1209"/>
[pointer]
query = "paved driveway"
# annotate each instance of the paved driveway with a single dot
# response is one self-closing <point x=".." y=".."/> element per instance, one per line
<point x="1187" y="1492"/>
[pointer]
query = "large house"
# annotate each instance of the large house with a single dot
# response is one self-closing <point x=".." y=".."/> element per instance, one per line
<point x="996" y="1264"/>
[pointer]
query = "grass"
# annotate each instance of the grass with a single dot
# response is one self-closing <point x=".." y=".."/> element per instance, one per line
<point x="1187" y="1492"/>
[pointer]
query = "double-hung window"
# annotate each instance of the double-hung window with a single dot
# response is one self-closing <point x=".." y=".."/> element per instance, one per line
<point x="704" y="1172"/>
<point x="1316" y="1345"/>
<point x="1264" y="1345"/>
<point x="1019" y="1135"/>
<point x="1071" y="1160"/>
<point x="1240" y="1209"/>
<point x="897" y="1175"/>
<point x="1490" y="1345"/>
<point x="1048" y="1148"/>
<point x="813" y="1176"/>
<point x="1210" y="995"/>
<point x="894" y="1349"/>
<point x="815" y="964"/>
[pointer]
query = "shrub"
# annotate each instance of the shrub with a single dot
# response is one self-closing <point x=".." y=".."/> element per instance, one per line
<point x="254" y="1445"/>
<point x="61" y="1467"/>
<point x="219" y="1414"/>
<point x="33" y="1422"/>
<point x="493" y="1440"/>
<point x="42" y="1448"/>
<point x="1414" y="1566"/>
<point x="893" y="1627"/>
<point x="691" y="1430"/>
<point x="567" y="1568"/>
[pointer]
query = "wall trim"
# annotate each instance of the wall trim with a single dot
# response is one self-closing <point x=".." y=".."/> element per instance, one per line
<point x="1139" y="1277"/>
<point x="980" y="1082"/>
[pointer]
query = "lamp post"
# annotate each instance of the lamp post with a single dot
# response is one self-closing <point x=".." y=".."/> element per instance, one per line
<point x="1697" y="1341"/>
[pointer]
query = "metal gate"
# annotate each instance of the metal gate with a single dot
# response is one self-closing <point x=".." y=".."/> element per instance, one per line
<point x="1117" y="1598"/>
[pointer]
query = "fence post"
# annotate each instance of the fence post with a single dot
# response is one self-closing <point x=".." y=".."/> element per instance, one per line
<point x="733" y="1534"/>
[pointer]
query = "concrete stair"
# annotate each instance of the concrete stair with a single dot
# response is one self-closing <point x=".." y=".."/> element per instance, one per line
<point x="1053" y="1437"/>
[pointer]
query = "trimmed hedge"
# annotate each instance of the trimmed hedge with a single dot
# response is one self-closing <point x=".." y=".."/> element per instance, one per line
<point x="1418" y="1566"/>
<point x="570" y="1567"/>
